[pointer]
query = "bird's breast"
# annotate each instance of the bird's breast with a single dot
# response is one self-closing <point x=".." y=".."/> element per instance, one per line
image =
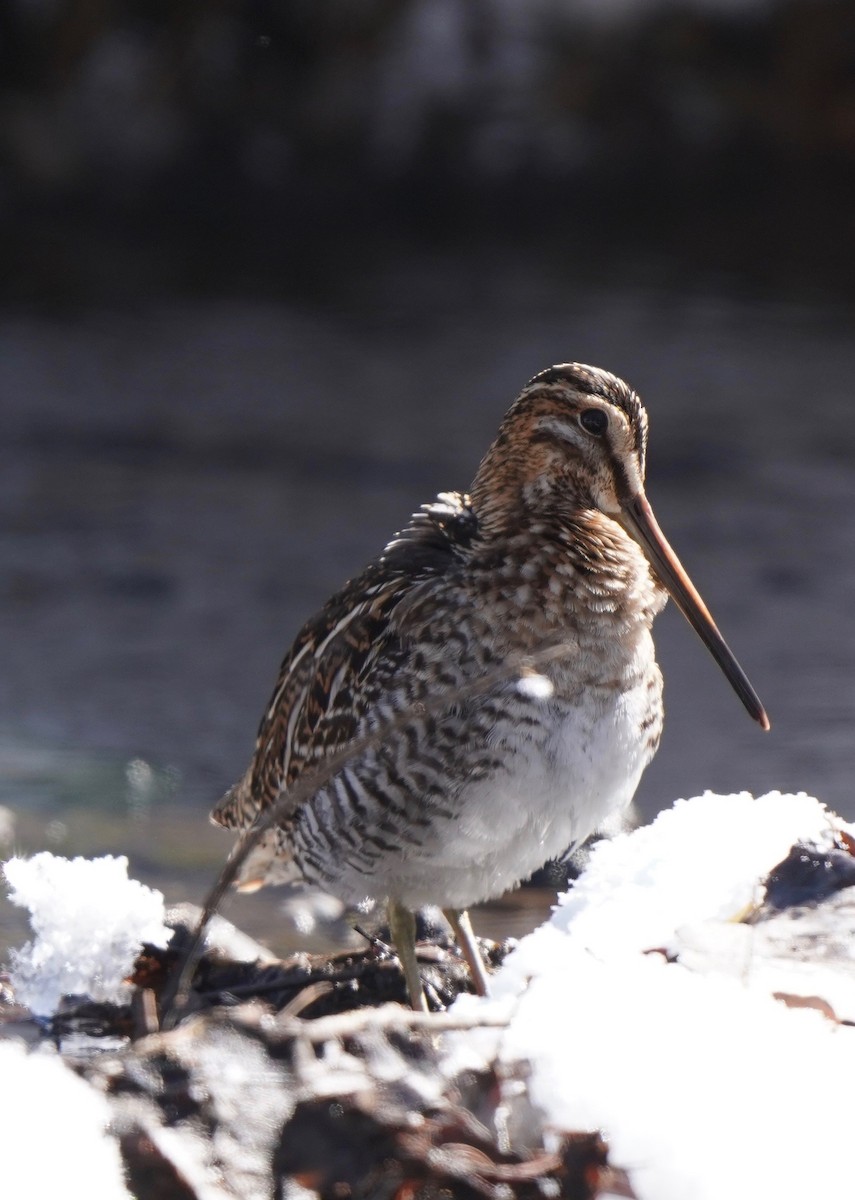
<point x="568" y="761"/>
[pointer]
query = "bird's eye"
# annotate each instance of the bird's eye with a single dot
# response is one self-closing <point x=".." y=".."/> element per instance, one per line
<point x="594" y="420"/>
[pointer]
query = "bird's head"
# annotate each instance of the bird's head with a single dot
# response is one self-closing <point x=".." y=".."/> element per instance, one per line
<point x="575" y="442"/>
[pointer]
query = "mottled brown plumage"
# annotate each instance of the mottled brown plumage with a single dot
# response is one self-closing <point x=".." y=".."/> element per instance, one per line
<point x="494" y="667"/>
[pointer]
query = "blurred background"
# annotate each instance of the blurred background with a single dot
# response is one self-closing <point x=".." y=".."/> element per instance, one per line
<point x="271" y="274"/>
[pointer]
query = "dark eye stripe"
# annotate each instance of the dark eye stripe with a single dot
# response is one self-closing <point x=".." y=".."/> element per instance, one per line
<point x="594" y="420"/>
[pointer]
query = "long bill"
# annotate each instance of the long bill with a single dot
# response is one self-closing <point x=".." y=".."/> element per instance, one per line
<point x="639" y="521"/>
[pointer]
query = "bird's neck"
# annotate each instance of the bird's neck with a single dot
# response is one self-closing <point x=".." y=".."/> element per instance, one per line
<point x="558" y="563"/>
<point x="517" y="487"/>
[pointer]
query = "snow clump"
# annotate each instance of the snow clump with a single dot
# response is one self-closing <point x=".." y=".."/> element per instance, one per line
<point x="90" y="921"/>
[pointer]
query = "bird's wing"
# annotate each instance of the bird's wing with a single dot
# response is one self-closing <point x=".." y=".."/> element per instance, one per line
<point x="319" y="698"/>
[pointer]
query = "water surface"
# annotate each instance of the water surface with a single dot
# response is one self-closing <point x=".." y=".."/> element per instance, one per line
<point x="181" y="485"/>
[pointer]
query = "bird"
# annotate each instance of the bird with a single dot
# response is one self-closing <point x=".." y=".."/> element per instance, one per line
<point x="485" y="693"/>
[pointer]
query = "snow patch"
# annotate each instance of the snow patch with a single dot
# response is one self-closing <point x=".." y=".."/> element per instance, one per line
<point x="90" y="921"/>
<point x="53" y="1124"/>
<point x="702" y="859"/>
<point x="704" y="1086"/>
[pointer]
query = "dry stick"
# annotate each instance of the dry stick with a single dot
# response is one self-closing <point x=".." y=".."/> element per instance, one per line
<point x="283" y="985"/>
<point x="361" y="1020"/>
<point x="303" y="999"/>
<point x="175" y="994"/>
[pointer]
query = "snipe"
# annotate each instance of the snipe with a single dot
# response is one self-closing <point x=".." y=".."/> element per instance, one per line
<point x="500" y="649"/>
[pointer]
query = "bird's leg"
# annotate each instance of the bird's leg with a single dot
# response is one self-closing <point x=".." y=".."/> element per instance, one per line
<point x="402" y="926"/>
<point x="461" y="926"/>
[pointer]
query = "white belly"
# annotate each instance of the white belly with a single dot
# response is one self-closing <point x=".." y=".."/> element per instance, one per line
<point x="561" y="781"/>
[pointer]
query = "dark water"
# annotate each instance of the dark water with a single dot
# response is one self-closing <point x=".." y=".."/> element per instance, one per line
<point x="181" y="485"/>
